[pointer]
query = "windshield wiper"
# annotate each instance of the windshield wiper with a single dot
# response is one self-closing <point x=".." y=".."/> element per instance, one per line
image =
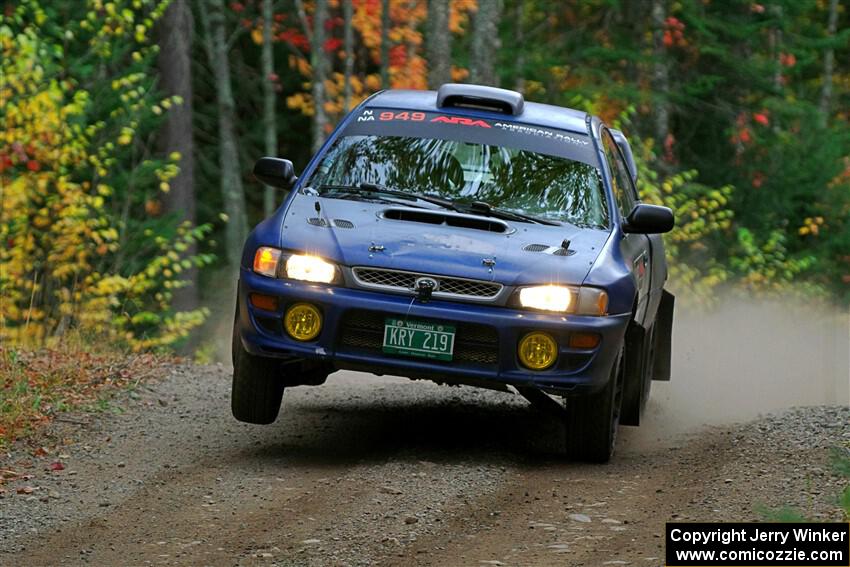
<point x="485" y="209"/>
<point x="379" y="190"/>
<point x="476" y="207"/>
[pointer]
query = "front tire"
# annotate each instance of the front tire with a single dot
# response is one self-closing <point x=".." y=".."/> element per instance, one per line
<point x="257" y="386"/>
<point x="592" y="421"/>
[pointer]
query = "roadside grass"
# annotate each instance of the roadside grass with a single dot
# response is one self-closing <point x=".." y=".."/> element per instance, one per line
<point x="38" y="385"/>
<point x="840" y="460"/>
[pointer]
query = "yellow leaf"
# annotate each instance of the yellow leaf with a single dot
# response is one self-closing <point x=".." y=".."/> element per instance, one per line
<point x="257" y="36"/>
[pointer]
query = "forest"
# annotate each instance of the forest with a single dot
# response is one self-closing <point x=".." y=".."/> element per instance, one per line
<point x="129" y="129"/>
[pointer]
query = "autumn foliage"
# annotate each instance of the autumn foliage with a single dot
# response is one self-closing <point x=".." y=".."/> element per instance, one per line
<point x="73" y="162"/>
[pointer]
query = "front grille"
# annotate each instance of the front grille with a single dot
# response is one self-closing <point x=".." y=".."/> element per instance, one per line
<point x="388" y="278"/>
<point x="474" y="344"/>
<point x="448" y="287"/>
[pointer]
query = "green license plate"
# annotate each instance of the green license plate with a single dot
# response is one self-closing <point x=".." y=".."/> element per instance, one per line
<point x="419" y="338"/>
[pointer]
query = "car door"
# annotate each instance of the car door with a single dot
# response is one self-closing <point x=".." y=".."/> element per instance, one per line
<point x="634" y="247"/>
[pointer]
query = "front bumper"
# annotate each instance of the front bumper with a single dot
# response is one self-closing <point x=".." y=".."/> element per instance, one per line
<point x="486" y="343"/>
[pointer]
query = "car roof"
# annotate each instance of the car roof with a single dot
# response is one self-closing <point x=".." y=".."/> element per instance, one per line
<point x="532" y="113"/>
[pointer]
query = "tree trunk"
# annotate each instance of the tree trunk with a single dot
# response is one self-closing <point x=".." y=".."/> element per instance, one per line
<point x="439" y="44"/>
<point x="175" y="78"/>
<point x="775" y="41"/>
<point x="485" y="42"/>
<point x="828" y="64"/>
<point x="319" y="65"/>
<point x="519" y="64"/>
<point x="660" y="73"/>
<point x="633" y="20"/>
<point x="269" y="121"/>
<point x="385" y="44"/>
<point x="228" y="155"/>
<point x="348" y="45"/>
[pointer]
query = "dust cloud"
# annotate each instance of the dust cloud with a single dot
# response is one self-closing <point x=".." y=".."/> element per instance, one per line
<point x="216" y="334"/>
<point x="744" y="358"/>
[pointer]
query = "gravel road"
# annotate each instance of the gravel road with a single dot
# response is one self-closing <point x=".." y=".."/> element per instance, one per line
<point x="386" y="471"/>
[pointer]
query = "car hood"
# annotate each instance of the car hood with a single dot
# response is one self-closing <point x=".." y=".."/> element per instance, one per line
<point x="358" y="233"/>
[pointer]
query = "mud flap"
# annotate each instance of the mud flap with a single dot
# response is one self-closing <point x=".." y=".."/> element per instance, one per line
<point x="635" y="354"/>
<point x="664" y="338"/>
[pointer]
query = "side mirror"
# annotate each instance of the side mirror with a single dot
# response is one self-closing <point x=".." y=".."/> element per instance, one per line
<point x="276" y="172"/>
<point x="649" y="219"/>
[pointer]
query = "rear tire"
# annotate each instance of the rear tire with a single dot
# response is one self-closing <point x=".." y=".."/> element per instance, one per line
<point x="257" y="386"/>
<point x="592" y="420"/>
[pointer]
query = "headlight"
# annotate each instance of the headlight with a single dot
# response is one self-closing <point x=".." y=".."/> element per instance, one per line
<point x="309" y="269"/>
<point x="303" y="267"/>
<point x="565" y="299"/>
<point x="546" y="297"/>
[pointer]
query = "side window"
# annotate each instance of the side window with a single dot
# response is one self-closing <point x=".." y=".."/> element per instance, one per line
<point x="623" y="190"/>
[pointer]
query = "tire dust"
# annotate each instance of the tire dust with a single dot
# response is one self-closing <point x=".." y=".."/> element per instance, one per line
<point x="743" y="359"/>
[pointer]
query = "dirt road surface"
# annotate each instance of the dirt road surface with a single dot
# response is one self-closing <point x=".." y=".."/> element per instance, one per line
<point x="385" y="471"/>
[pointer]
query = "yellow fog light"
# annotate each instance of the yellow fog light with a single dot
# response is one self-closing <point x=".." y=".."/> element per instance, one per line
<point x="303" y="322"/>
<point x="537" y="351"/>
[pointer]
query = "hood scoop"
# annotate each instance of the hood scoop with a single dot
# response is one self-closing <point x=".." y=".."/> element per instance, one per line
<point x="447" y="219"/>
<point x="546" y="249"/>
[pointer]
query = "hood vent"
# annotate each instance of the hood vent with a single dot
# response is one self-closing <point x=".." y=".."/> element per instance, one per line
<point x="447" y="219"/>
<point x="339" y="223"/>
<point x="553" y="250"/>
<point x="536" y="248"/>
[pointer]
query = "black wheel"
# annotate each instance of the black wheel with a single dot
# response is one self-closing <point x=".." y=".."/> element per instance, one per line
<point x="257" y="386"/>
<point x="592" y="421"/>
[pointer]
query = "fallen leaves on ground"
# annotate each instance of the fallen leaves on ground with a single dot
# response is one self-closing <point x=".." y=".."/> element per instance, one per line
<point x="37" y="386"/>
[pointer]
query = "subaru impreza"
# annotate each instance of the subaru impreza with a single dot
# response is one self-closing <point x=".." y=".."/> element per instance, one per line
<point x="467" y="237"/>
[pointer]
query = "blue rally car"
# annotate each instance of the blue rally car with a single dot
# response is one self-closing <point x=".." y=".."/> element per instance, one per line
<point x="463" y="236"/>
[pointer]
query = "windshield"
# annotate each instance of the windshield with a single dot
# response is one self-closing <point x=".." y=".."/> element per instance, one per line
<point x="518" y="180"/>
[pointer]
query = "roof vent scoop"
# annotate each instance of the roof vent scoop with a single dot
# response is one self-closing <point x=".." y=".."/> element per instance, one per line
<point x="481" y="98"/>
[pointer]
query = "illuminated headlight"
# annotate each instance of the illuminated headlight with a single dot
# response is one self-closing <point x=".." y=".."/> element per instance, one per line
<point x="309" y="269"/>
<point x="304" y="267"/>
<point x="565" y="299"/>
<point x="546" y="297"/>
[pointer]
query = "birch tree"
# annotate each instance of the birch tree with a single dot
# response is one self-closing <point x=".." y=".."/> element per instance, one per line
<point x="348" y="45"/>
<point x="269" y="121"/>
<point x="485" y="42"/>
<point x="660" y="73"/>
<point x="318" y="63"/>
<point x="438" y="44"/>
<point x="233" y="195"/>
<point x="828" y="63"/>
